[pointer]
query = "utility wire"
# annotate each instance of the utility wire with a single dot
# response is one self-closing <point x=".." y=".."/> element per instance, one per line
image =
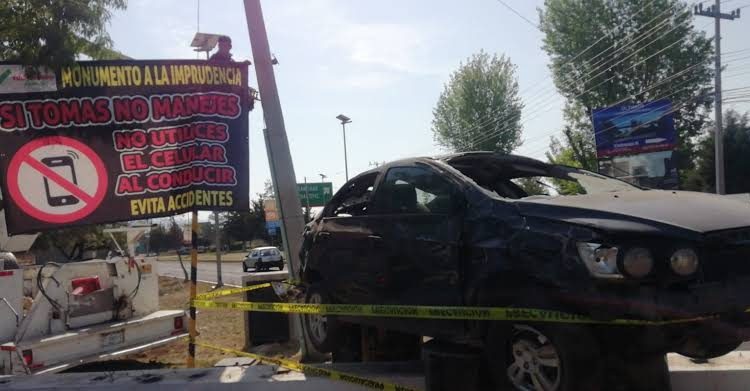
<point x="532" y="24"/>
<point x="492" y="134"/>
<point x="582" y="52"/>
<point x="738" y="95"/>
<point x="570" y="62"/>
<point x="619" y="116"/>
<point x="652" y="86"/>
<point x="497" y="131"/>
<point x="599" y="65"/>
<point x="673" y="110"/>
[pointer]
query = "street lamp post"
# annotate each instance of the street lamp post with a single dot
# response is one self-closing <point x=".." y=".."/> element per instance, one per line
<point x="344" y="120"/>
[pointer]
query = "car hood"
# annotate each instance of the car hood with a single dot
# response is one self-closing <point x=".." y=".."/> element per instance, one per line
<point x="636" y="210"/>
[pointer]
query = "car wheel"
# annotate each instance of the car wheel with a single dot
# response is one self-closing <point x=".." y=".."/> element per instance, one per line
<point x="322" y="330"/>
<point x="281" y="266"/>
<point x="557" y="358"/>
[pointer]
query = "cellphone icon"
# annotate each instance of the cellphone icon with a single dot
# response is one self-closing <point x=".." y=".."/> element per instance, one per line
<point x="56" y="195"/>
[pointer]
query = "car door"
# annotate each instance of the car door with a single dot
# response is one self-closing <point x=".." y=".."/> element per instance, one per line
<point x="416" y="225"/>
<point x="341" y="242"/>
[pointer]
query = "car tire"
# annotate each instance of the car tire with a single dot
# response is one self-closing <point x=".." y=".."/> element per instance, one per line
<point x="560" y="357"/>
<point x="244" y="268"/>
<point x="281" y="267"/>
<point x="321" y="330"/>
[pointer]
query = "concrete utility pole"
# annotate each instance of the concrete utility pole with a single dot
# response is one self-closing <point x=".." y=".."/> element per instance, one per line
<point x="279" y="155"/>
<point x="715" y="12"/>
<point x="217" y="244"/>
<point x="277" y="145"/>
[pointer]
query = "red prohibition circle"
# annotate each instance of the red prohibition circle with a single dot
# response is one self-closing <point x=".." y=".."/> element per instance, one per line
<point x="17" y="194"/>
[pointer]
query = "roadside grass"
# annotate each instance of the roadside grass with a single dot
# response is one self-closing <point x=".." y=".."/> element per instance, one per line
<point x="205" y="257"/>
<point x="216" y="327"/>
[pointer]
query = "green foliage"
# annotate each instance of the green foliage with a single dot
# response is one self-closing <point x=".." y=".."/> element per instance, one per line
<point x="163" y="238"/>
<point x="157" y="239"/>
<point x="72" y="242"/>
<point x="674" y="61"/>
<point x="569" y="156"/>
<point x="479" y="108"/>
<point x="736" y="151"/>
<point x="532" y="186"/>
<point x="54" y="32"/>
<point x="247" y="225"/>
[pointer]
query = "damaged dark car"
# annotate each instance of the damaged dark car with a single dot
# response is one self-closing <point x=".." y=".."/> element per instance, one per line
<point x="491" y="230"/>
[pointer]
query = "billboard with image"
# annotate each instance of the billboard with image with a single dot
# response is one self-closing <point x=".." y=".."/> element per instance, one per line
<point x="634" y="129"/>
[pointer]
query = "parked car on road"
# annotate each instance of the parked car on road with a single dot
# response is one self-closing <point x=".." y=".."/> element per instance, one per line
<point x="263" y="258"/>
<point x="464" y="230"/>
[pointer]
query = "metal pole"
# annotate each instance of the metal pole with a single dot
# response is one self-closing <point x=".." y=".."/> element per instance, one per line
<point x="277" y="144"/>
<point x="307" y="195"/>
<point x="193" y="287"/>
<point x="217" y="243"/>
<point x="346" y="163"/>
<point x="718" y="136"/>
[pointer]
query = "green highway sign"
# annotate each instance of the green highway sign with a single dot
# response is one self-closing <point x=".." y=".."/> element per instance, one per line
<point x="315" y="193"/>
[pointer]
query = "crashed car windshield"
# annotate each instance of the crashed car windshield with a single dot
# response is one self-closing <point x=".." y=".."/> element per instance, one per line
<point x="516" y="177"/>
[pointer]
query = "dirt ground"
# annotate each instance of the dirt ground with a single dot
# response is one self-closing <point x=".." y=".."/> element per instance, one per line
<point x="216" y="327"/>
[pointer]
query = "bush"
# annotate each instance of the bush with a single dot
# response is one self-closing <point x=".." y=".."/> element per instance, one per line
<point x="258" y="243"/>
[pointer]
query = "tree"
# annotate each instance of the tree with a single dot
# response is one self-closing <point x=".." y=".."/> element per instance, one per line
<point x="568" y="157"/>
<point x="479" y="108"/>
<point x="532" y="186"/>
<point x="609" y="52"/>
<point x="175" y="236"/>
<point x="72" y="242"/>
<point x="164" y="238"/>
<point x="736" y="149"/>
<point x="247" y="225"/>
<point x="157" y="239"/>
<point x="55" y="33"/>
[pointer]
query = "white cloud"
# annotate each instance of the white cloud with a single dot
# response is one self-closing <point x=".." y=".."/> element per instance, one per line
<point x="390" y="46"/>
<point x="374" y="55"/>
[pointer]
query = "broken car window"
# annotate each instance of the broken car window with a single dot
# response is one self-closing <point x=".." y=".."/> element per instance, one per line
<point x="415" y="190"/>
<point x="514" y="180"/>
<point x="353" y="198"/>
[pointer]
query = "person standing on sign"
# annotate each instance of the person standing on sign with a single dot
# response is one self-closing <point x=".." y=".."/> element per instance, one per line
<point x="223" y="54"/>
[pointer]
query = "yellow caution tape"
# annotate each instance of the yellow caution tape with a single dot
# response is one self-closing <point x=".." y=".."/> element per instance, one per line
<point x="229" y="292"/>
<point x="312" y="370"/>
<point x="234" y="291"/>
<point x="419" y="312"/>
<point x="431" y="312"/>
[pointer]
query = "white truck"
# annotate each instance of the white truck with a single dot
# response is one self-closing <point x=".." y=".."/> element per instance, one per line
<point x="57" y="316"/>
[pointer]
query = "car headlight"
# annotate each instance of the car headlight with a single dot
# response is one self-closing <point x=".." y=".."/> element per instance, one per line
<point x="684" y="261"/>
<point x="601" y="261"/>
<point x="637" y="262"/>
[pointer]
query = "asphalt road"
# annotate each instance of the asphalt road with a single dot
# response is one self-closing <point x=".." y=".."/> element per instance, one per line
<point x="231" y="272"/>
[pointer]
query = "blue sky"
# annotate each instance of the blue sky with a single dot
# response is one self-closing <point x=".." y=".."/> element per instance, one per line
<point x="382" y="63"/>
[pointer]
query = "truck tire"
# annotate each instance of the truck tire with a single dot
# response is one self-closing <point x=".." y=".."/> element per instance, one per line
<point x="549" y="357"/>
<point x="322" y="330"/>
